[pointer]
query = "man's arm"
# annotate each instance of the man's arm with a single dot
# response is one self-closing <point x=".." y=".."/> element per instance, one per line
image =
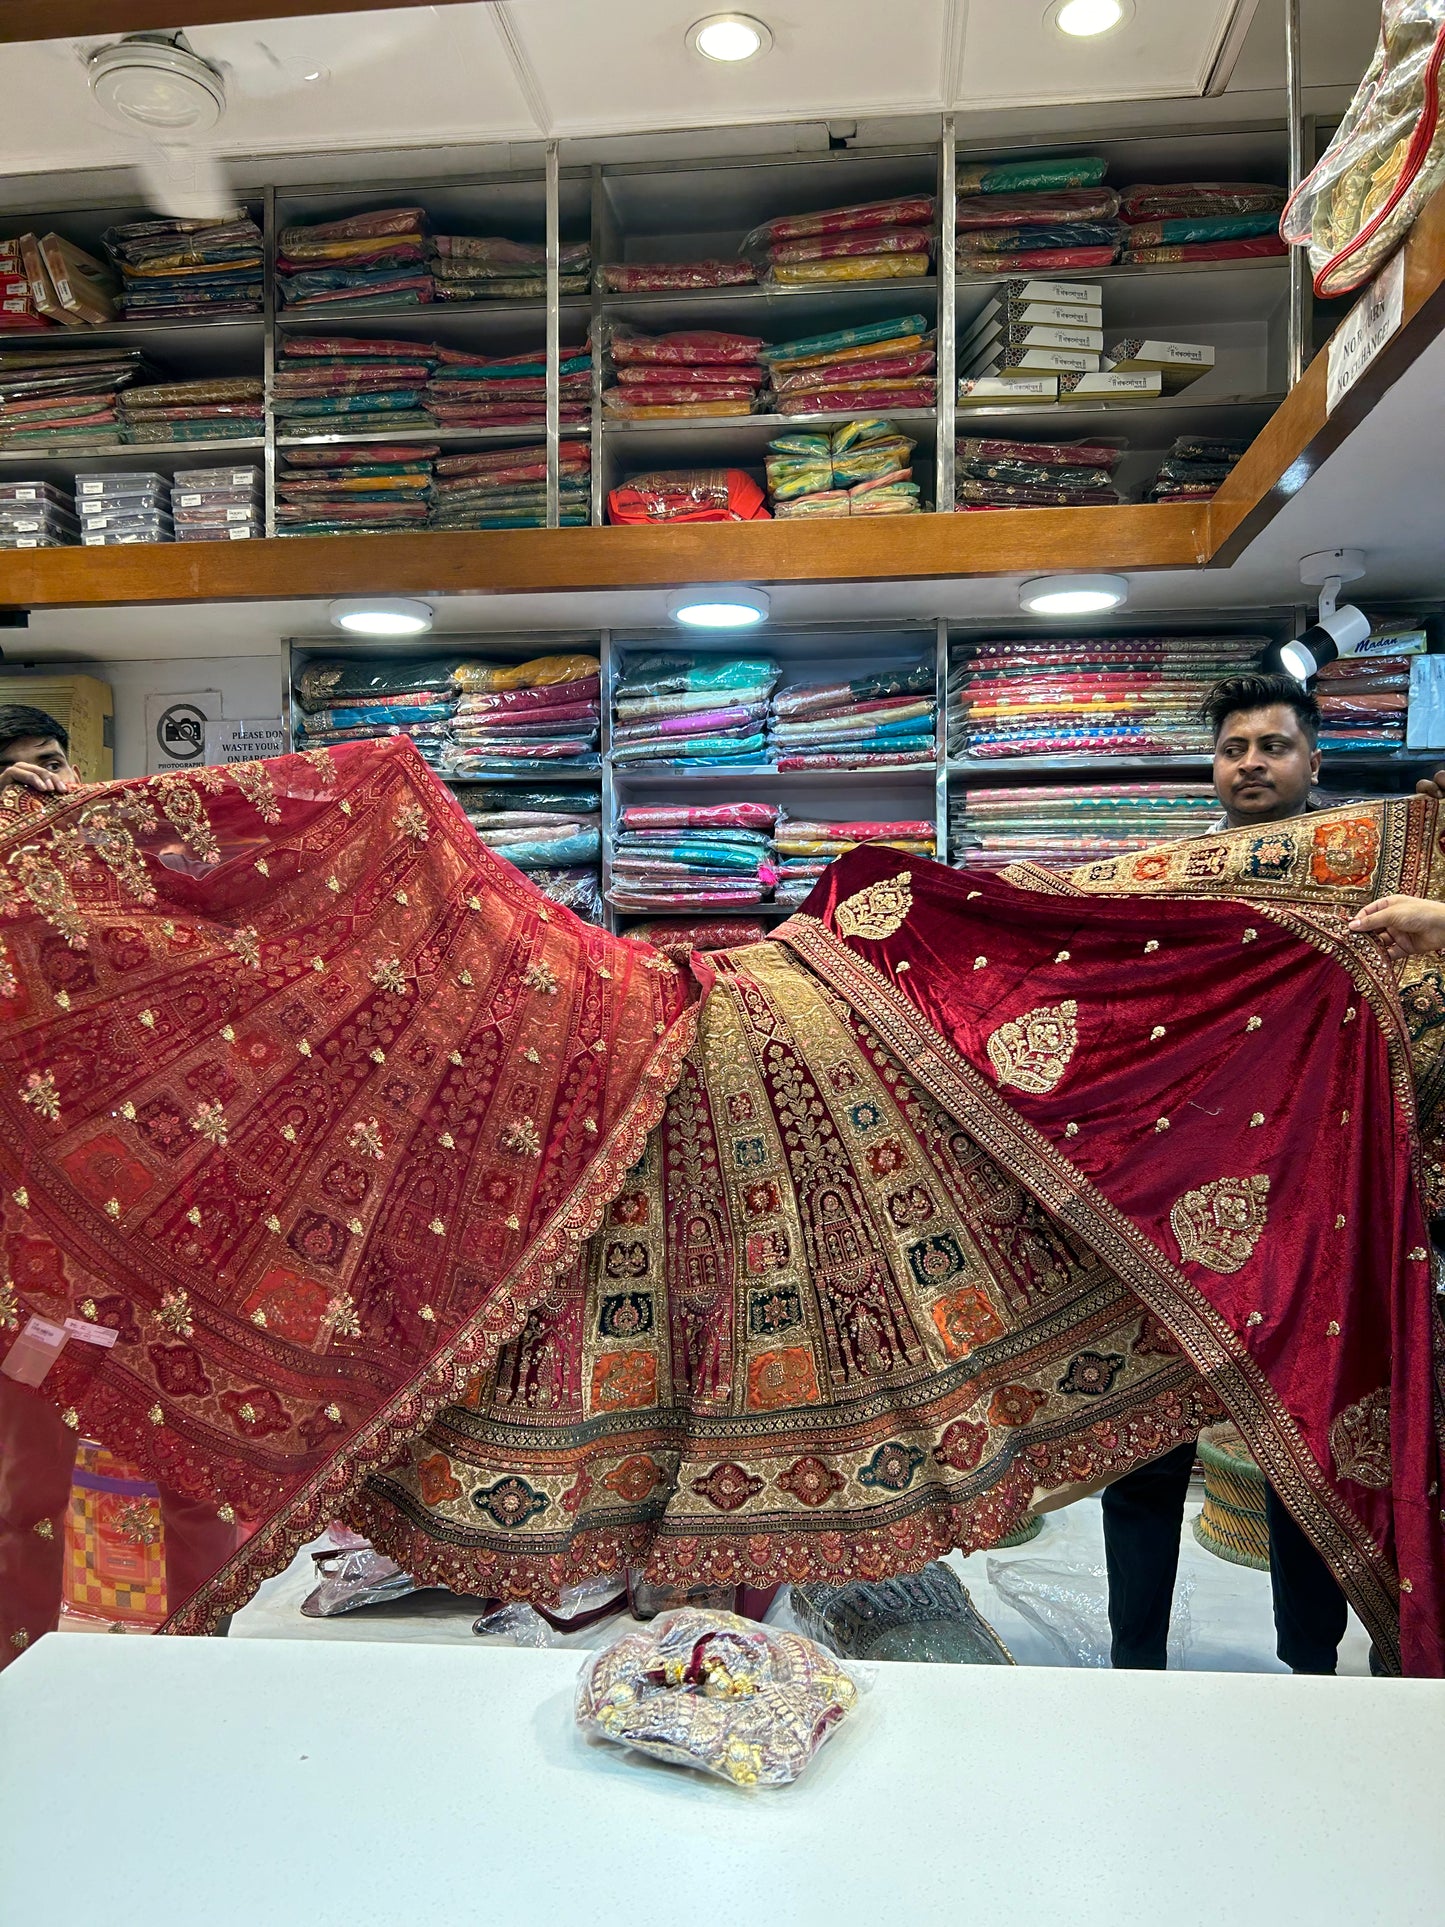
<point x="1410" y="926"/>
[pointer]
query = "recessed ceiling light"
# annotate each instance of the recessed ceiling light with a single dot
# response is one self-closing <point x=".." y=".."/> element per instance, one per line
<point x="1087" y="19"/>
<point x="1073" y="595"/>
<point x="729" y="37"/>
<point x="719" y="608"/>
<point x="381" y="616"/>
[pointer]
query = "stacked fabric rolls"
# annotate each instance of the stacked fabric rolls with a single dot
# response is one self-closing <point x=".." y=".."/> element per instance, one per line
<point x="354" y="488"/>
<point x="885" y="364"/>
<point x="875" y="241"/>
<point x="470" y="390"/>
<point x="470" y="267"/>
<point x="68" y="397"/>
<point x="535" y="716"/>
<point x="325" y="383"/>
<point x="506" y="488"/>
<point x="698" y="374"/>
<point x="1062" y="827"/>
<point x="862" y="468"/>
<point x="366" y="261"/>
<point x="1364" y="703"/>
<point x="226" y="408"/>
<point x="1201" y="221"/>
<point x="806" y="848"/>
<point x="674" y="277"/>
<point x="1037" y="215"/>
<point x="688" y="495"/>
<point x="1194" y="468"/>
<point x="550" y="830"/>
<point x="714" y="857"/>
<point x="883" y="721"/>
<point x="1096" y="696"/>
<point x="188" y="269"/>
<point x="37" y="515"/>
<point x="1009" y="474"/>
<point x="707" y="710"/>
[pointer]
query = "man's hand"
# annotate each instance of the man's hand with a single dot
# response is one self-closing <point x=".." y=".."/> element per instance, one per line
<point x="1410" y="926"/>
<point x="31" y="776"/>
<point x="1432" y="785"/>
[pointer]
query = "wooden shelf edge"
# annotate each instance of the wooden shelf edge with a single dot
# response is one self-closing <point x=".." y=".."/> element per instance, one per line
<point x="535" y="561"/>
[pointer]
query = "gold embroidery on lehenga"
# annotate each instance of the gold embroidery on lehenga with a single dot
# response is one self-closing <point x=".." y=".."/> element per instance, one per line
<point x="1360" y="1441"/>
<point x="1220" y="1224"/>
<point x="183" y="809"/>
<point x="878" y="911"/>
<point x="254" y="784"/>
<point x="1032" y="1052"/>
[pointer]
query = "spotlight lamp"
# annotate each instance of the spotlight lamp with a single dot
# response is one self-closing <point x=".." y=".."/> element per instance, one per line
<point x="1341" y="629"/>
<point x="381" y="616"/>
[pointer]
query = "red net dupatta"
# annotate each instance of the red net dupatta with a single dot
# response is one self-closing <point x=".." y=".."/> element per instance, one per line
<point x="305" y="1100"/>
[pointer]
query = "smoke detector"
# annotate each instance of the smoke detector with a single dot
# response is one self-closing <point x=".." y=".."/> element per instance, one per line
<point x="156" y="86"/>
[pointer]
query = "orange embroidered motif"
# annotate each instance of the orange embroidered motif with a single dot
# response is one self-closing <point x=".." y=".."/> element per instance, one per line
<point x="624" y="1381"/>
<point x="1345" y="853"/>
<point x="965" y="1320"/>
<point x="1032" y="1052"/>
<point x="1219" y="1225"/>
<point x="878" y="911"/>
<point x="782" y="1378"/>
<point x="410" y="821"/>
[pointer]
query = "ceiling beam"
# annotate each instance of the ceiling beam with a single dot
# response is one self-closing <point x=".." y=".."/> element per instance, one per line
<point x="108" y="19"/>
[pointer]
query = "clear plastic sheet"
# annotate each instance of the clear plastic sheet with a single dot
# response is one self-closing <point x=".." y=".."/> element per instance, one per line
<point x="926" y="1616"/>
<point x="1069" y="1606"/>
<point x="354" y="1576"/>
<point x="1108" y="455"/>
<point x="718" y="1693"/>
<point x="1387" y="156"/>
<point x="689" y="495"/>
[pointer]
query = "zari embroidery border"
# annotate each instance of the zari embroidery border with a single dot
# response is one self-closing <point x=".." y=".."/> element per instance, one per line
<point x="1214" y="1349"/>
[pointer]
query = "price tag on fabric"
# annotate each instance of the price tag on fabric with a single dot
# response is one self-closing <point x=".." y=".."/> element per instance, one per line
<point x="34" y="1352"/>
<point x="88" y="1334"/>
<point x="244" y="740"/>
<point x="1365" y="330"/>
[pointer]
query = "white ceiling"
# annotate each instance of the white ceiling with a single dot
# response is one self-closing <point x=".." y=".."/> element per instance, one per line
<point x="520" y="70"/>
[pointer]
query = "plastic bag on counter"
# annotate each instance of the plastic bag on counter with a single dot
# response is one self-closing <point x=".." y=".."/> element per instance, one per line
<point x="1069" y="1606"/>
<point x="1386" y="158"/>
<point x="1067" y="207"/>
<point x="926" y="1616"/>
<point x="1177" y="200"/>
<point x="689" y="495"/>
<point x="674" y="277"/>
<point x="862" y="267"/>
<point x="718" y="1693"/>
<point x="713" y="346"/>
<point x="354" y="1575"/>
<point x="1032" y="177"/>
<point x="909" y="210"/>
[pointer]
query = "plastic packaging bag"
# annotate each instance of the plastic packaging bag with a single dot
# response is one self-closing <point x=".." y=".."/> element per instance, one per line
<point x="678" y="937"/>
<point x="837" y="247"/>
<point x="691" y="347"/>
<point x="863" y="267"/>
<point x="354" y="1576"/>
<point x="910" y="210"/>
<point x="667" y="277"/>
<point x="1032" y="177"/>
<point x="689" y="495"/>
<point x="926" y="1616"/>
<point x="1065" y="208"/>
<point x="580" y="1608"/>
<point x="1069" y="1606"/>
<point x="1175" y="200"/>
<point x="1387" y="156"/>
<point x="721" y="1694"/>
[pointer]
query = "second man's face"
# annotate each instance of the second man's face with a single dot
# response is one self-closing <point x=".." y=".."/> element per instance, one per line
<point x="1263" y="765"/>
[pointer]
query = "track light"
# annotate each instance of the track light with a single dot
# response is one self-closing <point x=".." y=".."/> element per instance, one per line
<point x="1342" y="629"/>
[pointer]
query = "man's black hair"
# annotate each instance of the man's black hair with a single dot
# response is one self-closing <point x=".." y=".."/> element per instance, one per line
<point x="18" y="720"/>
<point x="1237" y="693"/>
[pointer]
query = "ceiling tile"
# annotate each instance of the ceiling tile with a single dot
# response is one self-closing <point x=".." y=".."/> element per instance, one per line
<point x="1014" y="55"/>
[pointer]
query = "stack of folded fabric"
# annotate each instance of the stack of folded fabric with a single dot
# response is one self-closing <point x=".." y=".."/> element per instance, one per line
<point x="689" y="495"/>
<point x="470" y="267"/>
<point x="1364" y="703"/>
<point x="226" y="408"/>
<point x="1036" y="215"/>
<point x="1201" y="221"/>
<point x="805" y="849"/>
<point x="883" y="721"/>
<point x="65" y="398"/>
<point x="37" y="515"/>
<point x="217" y="504"/>
<point x="122" y="507"/>
<point x="860" y="469"/>
<point x="674" y="277"/>
<point x="1094" y="696"/>
<point x="506" y="488"/>
<point x="700" y="374"/>
<point x="1010" y="475"/>
<point x="1194" y="468"/>
<point x="878" y="241"/>
<point x="346" y="700"/>
<point x="368" y="261"/>
<point x="706" y="710"/>
<point x="671" y="857"/>
<point x="679" y="937"/>
<point x="354" y="488"/>
<point x="468" y="390"/>
<point x="188" y="269"/>
<point x="326" y="383"/>
<point x="550" y="830"/>
<point x="885" y="364"/>
<point x="1059" y="828"/>
<point x="536" y="716"/>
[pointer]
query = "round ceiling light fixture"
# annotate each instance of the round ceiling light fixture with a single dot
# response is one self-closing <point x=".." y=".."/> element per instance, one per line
<point x="719" y="608"/>
<point x="156" y="87"/>
<point x="381" y="616"/>
<point x="729" y="37"/>
<point x="1073" y="595"/>
<point x="1088" y="19"/>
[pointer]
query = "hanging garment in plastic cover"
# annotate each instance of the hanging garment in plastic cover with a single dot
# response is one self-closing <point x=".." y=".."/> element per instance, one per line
<point x="1386" y="159"/>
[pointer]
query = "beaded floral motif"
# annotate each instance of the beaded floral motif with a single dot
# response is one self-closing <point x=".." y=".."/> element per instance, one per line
<point x="1220" y="1224"/>
<point x="1360" y="1441"/>
<point x="1032" y="1052"/>
<point x="878" y="911"/>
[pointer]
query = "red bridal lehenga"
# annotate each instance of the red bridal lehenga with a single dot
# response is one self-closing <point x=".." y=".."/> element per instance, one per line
<point x="374" y="1186"/>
